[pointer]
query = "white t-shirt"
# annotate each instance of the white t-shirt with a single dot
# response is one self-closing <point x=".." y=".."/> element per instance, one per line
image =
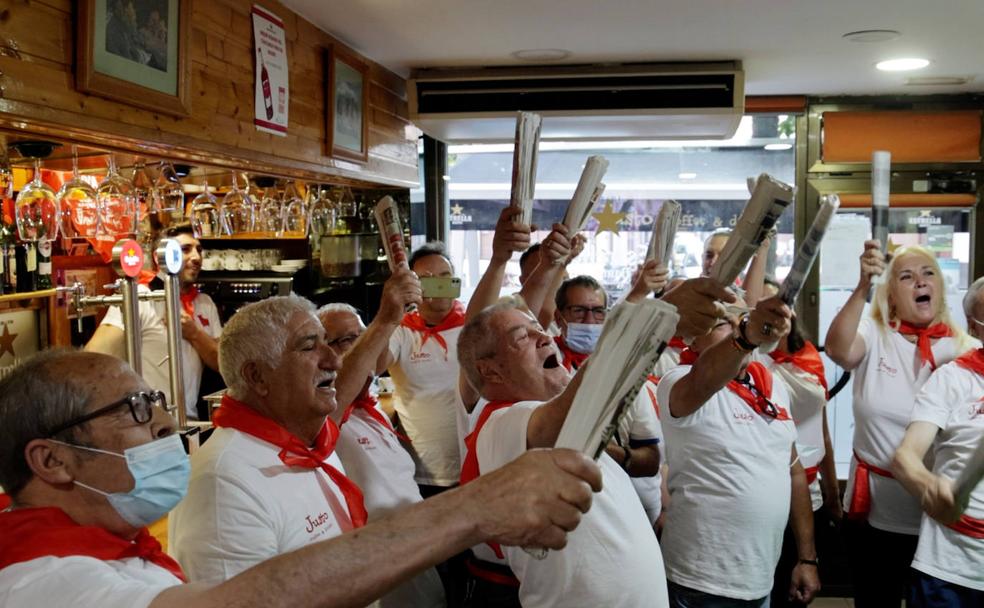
<point x="641" y="426"/>
<point x="612" y="559"/>
<point x="667" y="361"/>
<point x="808" y="399"/>
<point x="951" y="400"/>
<point x="885" y="386"/>
<point x="153" y="354"/>
<point x="383" y="470"/>
<point x="83" y="582"/>
<point x="244" y="506"/>
<point x="730" y="488"/>
<point x="426" y="398"/>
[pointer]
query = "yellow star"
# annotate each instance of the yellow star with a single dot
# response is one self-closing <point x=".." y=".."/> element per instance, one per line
<point x="892" y="247"/>
<point x="608" y="218"/>
<point x="457" y="209"/>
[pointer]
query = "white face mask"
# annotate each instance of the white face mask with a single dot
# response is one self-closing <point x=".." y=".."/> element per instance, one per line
<point x="583" y="337"/>
<point x="160" y="471"/>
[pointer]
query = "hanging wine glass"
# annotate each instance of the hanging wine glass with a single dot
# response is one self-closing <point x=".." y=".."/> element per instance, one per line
<point x="295" y="212"/>
<point x="37" y="209"/>
<point x="78" y="205"/>
<point x="116" y="203"/>
<point x="238" y="210"/>
<point x="270" y="219"/>
<point x="143" y="190"/>
<point x="322" y="214"/>
<point x="167" y="197"/>
<point x="205" y="219"/>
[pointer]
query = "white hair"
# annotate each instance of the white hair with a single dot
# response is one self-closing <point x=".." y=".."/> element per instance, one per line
<point x="970" y="298"/>
<point x="258" y="333"/>
<point x="339" y="307"/>
<point x="478" y="341"/>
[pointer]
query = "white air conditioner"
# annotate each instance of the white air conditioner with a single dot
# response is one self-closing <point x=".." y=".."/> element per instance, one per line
<point x="595" y="102"/>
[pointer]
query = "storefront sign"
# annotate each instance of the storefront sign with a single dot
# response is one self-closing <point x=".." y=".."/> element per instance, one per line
<point x="272" y="96"/>
<point x="18" y="338"/>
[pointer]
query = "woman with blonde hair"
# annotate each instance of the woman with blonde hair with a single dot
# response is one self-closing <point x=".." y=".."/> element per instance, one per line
<point x="908" y="335"/>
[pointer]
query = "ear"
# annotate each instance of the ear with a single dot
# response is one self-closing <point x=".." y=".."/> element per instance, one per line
<point x="559" y="319"/>
<point x="49" y="462"/>
<point x="253" y="374"/>
<point x="489" y="371"/>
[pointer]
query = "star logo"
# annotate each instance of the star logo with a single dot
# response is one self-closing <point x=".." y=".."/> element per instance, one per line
<point x="892" y="247"/>
<point x="608" y="218"/>
<point x="7" y="342"/>
<point x="457" y="209"/>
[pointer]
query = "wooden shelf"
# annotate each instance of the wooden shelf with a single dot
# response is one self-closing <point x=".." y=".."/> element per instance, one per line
<point x="27" y="295"/>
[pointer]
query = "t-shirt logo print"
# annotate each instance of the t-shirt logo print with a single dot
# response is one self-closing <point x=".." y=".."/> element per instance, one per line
<point x="885" y="368"/>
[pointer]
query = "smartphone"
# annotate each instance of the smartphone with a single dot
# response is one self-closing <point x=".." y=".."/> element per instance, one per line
<point x="440" y="287"/>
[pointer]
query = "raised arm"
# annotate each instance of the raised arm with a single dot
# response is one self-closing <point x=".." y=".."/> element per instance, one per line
<point x="400" y="290"/>
<point x="510" y="236"/>
<point x="844" y="345"/>
<point x="531" y="502"/>
<point x="754" y="282"/>
<point x="555" y="251"/>
<point x="651" y="278"/>
<point x="720" y="363"/>
<point x="699" y="304"/>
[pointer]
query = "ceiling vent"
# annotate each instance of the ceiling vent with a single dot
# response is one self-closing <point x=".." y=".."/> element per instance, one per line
<point x="595" y="102"/>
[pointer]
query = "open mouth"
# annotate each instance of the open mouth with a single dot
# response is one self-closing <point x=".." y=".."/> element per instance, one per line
<point x="327" y="382"/>
<point x="924" y="299"/>
<point x="551" y="362"/>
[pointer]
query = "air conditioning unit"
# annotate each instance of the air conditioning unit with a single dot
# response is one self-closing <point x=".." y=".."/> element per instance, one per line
<point x="595" y="102"/>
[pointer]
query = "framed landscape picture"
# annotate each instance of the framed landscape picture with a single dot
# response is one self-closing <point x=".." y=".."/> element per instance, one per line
<point x="347" y="105"/>
<point x="135" y="52"/>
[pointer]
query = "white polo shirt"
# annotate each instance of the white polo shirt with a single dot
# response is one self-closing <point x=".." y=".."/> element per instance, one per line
<point x="426" y="398"/>
<point x="83" y="582"/>
<point x="612" y="559"/>
<point x="951" y="400"/>
<point x="383" y="470"/>
<point x="642" y="427"/>
<point x="730" y="488"/>
<point x="244" y="506"/>
<point x="153" y="354"/>
<point x="885" y="386"/>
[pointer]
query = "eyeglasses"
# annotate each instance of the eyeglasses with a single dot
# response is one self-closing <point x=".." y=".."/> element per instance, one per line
<point x="581" y="312"/>
<point x="769" y="408"/>
<point x="141" y="408"/>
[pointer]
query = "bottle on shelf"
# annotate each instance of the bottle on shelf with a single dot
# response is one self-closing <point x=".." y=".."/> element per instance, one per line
<point x="26" y="260"/>
<point x="44" y="264"/>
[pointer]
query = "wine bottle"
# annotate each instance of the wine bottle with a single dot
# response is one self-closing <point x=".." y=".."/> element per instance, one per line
<point x="267" y="92"/>
<point x="44" y="265"/>
<point x="26" y="261"/>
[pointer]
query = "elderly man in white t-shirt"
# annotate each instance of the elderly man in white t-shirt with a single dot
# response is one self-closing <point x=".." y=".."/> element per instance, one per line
<point x="948" y="420"/>
<point x="734" y="477"/>
<point x="200" y="327"/>
<point x="90" y="459"/>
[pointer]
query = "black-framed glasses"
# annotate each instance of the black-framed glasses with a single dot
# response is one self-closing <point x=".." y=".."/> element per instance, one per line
<point x="769" y="408"/>
<point x="581" y="312"/>
<point x="141" y="408"/>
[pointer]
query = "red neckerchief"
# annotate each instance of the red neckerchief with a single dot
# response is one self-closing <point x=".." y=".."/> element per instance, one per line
<point x="807" y="359"/>
<point x="293" y="453"/>
<point x="973" y="360"/>
<point x="654" y="379"/>
<point x="367" y="402"/>
<point x="861" y="492"/>
<point x="688" y="356"/>
<point x="677" y="343"/>
<point x="924" y="339"/>
<point x="469" y="467"/>
<point x="455" y="318"/>
<point x="48" y="531"/>
<point x="758" y="399"/>
<point x="572" y="359"/>
<point x="968" y="526"/>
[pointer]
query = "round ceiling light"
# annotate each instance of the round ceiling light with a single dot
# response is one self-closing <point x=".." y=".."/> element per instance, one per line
<point x="902" y="65"/>
<point x="778" y="146"/>
<point x="872" y="35"/>
<point x="541" y="54"/>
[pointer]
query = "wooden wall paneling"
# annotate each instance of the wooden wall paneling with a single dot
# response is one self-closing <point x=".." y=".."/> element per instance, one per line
<point x="38" y="96"/>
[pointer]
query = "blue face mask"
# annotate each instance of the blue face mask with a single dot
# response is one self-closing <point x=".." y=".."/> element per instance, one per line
<point x="160" y="471"/>
<point x="583" y="337"/>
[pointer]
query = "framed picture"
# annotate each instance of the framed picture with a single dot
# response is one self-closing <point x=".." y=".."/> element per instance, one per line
<point x="136" y="52"/>
<point x="347" y="105"/>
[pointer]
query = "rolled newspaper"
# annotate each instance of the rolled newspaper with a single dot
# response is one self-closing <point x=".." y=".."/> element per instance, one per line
<point x="664" y="231"/>
<point x="881" y="173"/>
<point x="524" y="164"/>
<point x="808" y="250"/>
<point x="631" y="342"/>
<point x="391" y="233"/>
<point x="587" y="193"/>
<point x="769" y="199"/>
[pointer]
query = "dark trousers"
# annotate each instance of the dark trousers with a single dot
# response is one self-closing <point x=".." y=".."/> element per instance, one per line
<point x="931" y="592"/>
<point x="881" y="564"/>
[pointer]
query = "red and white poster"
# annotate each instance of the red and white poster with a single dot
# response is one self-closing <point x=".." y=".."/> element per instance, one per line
<point x="272" y="97"/>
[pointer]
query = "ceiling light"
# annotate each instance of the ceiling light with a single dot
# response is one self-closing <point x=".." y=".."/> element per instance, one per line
<point x="687" y="175"/>
<point x="872" y="35"/>
<point x="541" y="54"/>
<point x="778" y="146"/>
<point x="902" y="65"/>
